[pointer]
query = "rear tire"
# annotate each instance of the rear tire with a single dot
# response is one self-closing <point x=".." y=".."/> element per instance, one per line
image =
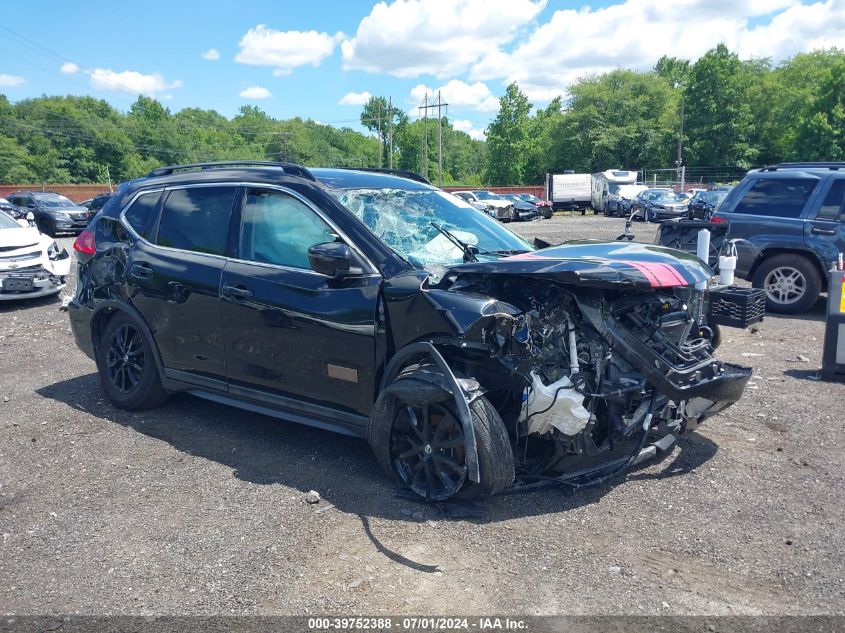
<point x="407" y="450"/>
<point x="791" y="281"/>
<point x="127" y="367"/>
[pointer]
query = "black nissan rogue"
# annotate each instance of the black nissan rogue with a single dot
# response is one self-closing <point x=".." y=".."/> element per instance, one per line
<point x="380" y="306"/>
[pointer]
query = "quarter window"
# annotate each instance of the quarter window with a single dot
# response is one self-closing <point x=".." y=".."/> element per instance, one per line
<point x="279" y="229"/>
<point x="138" y="215"/>
<point x="777" y="197"/>
<point x="833" y="207"/>
<point x="197" y="219"/>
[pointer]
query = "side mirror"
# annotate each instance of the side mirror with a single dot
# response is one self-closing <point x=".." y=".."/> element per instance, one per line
<point x="30" y="205"/>
<point x="332" y="259"/>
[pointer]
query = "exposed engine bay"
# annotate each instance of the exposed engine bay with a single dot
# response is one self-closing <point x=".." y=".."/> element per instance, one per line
<point x="605" y="378"/>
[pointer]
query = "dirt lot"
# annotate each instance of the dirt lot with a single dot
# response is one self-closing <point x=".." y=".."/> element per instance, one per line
<point x="199" y="509"/>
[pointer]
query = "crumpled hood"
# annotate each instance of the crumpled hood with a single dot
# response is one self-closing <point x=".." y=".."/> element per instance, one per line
<point x="596" y="263"/>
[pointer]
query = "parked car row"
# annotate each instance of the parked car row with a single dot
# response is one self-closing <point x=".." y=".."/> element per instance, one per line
<point x="508" y="207"/>
<point x="655" y="204"/>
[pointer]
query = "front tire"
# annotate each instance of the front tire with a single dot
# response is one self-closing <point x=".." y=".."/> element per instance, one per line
<point x="417" y="437"/>
<point x="128" y="372"/>
<point x="792" y="283"/>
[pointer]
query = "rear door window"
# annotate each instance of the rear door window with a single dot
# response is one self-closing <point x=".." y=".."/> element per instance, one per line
<point x="777" y="197"/>
<point x="833" y="207"/>
<point x="197" y="219"/>
<point x="140" y="213"/>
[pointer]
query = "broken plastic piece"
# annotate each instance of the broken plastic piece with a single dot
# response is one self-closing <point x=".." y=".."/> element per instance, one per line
<point x="557" y="405"/>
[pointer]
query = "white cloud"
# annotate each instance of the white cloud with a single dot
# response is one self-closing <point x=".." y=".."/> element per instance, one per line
<point x="255" y="92"/>
<point x="69" y="68"/>
<point x="799" y="28"/>
<point x="285" y="50"/>
<point x="464" y="125"/>
<point x="409" y="38"/>
<point x="636" y="33"/>
<point x="131" y="81"/>
<point x="459" y="94"/>
<point x="10" y="81"/>
<point x="355" y="98"/>
<point x="212" y="55"/>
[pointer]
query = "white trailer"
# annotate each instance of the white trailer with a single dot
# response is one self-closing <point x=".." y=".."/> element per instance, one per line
<point x="568" y="191"/>
<point x="605" y="187"/>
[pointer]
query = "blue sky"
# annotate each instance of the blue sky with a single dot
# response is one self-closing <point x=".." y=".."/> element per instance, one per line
<point x="310" y="58"/>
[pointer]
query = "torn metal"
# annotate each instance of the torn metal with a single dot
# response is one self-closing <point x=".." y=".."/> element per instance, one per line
<point x="595" y="354"/>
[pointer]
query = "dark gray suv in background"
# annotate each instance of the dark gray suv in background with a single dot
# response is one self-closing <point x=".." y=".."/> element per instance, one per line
<point x="53" y="212"/>
<point x="790" y="222"/>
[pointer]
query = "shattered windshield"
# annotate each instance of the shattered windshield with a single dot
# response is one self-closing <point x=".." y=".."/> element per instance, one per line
<point x="410" y="223"/>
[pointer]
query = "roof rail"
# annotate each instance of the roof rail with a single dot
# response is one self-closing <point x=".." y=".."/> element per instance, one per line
<point x="806" y="165"/>
<point x="404" y="173"/>
<point x="289" y="168"/>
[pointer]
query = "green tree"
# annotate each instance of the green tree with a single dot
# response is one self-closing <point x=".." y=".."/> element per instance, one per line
<point x="821" y="135"/>
<point x="379" y="116"/>
<point x="719" y="118"/>
<point x="508" y="139"/>
<point x="621" y="119"/>
<point x="674" y="70"/>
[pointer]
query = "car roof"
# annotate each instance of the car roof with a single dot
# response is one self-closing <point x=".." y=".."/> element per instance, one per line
<point x="817" y="166"/>
<point x="337" y="178"/>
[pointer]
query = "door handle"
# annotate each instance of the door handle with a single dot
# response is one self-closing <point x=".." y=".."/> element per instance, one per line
<point x="819" y="231"/>
<point x="141" y="270"/>
<point x="236" y="292"/>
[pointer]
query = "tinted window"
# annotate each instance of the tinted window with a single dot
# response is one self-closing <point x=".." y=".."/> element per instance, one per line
<point x="279" y="229"/>
<point x="138" y="215"/>
<point x="197" y="219"/>
<point x="834" y="202"/>
<point x="777" y="197"/>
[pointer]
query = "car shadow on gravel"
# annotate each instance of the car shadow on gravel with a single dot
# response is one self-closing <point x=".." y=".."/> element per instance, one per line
<point x="22" y="305"/>
<point x="266" y="451"/>
<point x="817" y="313"/>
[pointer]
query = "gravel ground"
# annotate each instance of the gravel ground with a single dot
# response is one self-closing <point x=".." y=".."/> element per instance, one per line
<point x="196" y="508"/>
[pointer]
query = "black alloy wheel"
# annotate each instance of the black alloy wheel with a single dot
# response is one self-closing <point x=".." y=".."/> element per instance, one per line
<point x="427" y="450"/>
<point x="126" y="358"/>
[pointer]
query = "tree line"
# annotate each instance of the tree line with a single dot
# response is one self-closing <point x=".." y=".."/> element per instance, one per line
<point x="736" y="113"/>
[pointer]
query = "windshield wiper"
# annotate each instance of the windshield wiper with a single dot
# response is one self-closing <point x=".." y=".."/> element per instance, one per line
<point x="470" y="252"/>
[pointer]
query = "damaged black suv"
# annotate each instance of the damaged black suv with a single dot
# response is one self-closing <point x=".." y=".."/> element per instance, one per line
<point x="377" y="305"/>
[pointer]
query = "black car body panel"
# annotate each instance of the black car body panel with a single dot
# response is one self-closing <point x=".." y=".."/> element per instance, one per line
<point x="619" y="321"/>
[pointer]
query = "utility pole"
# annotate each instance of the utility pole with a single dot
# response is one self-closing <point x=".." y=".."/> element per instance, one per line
<point x="679" y="163"/>
<point x="424" y="153"/>
<point x="440" y="107"/>
<point x="390" y="133"/>
<point x="439" y="142"/>
<point x="283" y="139"/>
<point x="380" y="140"/>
